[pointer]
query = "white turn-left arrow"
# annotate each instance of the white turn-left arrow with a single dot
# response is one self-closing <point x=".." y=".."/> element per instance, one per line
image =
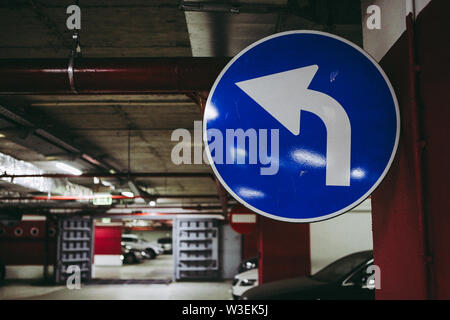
<point x="285" y="94"/>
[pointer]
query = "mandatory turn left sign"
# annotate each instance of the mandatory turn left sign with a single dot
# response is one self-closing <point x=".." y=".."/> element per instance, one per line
<point x="301" y="126"/>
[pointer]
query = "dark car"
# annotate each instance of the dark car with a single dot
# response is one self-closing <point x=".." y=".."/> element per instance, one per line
<point x="166" y="244"/>
<point x="132" y="255"/>
<point x="248" y="264"/>
<point x="344" y="279"/>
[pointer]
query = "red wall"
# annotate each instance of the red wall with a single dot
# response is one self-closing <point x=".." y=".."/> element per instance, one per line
<point x="284" y="250"/>
<point x="107" y="240"/>
<point x="411" y="246"/>
<point x="26" y="249"/>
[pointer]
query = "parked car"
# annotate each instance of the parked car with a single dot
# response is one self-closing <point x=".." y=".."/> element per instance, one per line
<point x="344" y="279"/>
<point x="243" y="282"/>
<point x="2" y="273"/>
<point x="165" y="244"/>
<point x="248" y="264"/>
<point x="132" y="240"/>
<point x="131" y="255"/>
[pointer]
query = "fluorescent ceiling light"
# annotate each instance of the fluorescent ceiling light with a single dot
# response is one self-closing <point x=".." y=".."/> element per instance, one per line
<point x="68" y="168"/>
<point x="106" y="183"/>
<point x="128" y="194"/>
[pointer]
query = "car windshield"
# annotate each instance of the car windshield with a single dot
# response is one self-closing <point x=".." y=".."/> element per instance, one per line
<point x="342" y="267"/>
<point x="129" y="239"/>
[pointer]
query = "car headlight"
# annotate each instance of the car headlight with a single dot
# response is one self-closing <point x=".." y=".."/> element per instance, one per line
<point x="248" y="282"/>
<point x="128" y="247"/>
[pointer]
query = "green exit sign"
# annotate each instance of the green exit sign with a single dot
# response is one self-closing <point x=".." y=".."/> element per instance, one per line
<point x="102" y="200"/>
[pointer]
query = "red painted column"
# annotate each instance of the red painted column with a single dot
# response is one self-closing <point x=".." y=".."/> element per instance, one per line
<point x="284" y="250"/>
<point x="250" y="245"/>
<point x="433" y="52"/>
<point x="397" y="231"/>
<point x="410" y="209"/>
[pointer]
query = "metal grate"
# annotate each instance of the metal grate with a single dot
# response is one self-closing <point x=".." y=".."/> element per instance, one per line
<point x="74" y="247"/>
<point x="196" y="249"/>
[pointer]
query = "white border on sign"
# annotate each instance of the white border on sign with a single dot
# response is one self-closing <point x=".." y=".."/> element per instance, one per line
<point x="330" y="215"/>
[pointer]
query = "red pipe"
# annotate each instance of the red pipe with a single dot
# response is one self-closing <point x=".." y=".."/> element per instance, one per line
<point x="138" y="214"/>
<point x="119" y="197"/>
<point x="110" y="75"/>
<point x="418" y="154"/>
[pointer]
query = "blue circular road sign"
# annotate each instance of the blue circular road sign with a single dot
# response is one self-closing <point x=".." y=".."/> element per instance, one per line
<point x="301" y="126"/>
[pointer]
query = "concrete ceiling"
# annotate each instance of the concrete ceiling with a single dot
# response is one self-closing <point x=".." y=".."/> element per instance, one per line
<point x="221" y="34"/>
<point x="103" y="125"/>
<point x="109" y="28"/>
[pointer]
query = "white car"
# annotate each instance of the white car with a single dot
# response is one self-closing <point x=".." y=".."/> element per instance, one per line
<point x="243" y="282"/>
<point x="133" y="241"/>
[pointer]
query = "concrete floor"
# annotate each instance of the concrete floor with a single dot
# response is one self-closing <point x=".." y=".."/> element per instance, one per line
<point x="160" y="268"/>
<point x="172" y="291"/>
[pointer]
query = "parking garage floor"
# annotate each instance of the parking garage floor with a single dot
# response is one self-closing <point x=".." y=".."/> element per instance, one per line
<point x="172" y="291"/>
<point x="158" y="269"/>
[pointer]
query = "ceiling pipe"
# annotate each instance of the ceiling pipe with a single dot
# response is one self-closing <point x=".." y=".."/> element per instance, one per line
<point x="235" y="8"/>
<point x="23" y="128"/>
<point x="37" y="207"/>
<point x="114" y="175"/>
<point x="114" y="197"/>
<point x="209" y="7"/>
<point x="109" y="75"/>
<point x="40" y="184"/>
<point x="104" y="208"/>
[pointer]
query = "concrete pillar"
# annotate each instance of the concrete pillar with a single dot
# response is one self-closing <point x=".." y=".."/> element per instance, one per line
<point x="250" y="245"/>
<point x="284" y="250"/>
<point x="411" y="224"/>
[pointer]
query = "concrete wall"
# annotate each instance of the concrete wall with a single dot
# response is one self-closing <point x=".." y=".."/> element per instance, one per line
<point x="340" y="236"/>
<point x="230" y="251"/>
<point x="377" y="42"/>
<point x="26" y="272"/>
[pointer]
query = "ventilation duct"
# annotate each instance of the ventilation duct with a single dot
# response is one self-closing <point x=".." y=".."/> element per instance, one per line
<point x="12" y="166"/>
